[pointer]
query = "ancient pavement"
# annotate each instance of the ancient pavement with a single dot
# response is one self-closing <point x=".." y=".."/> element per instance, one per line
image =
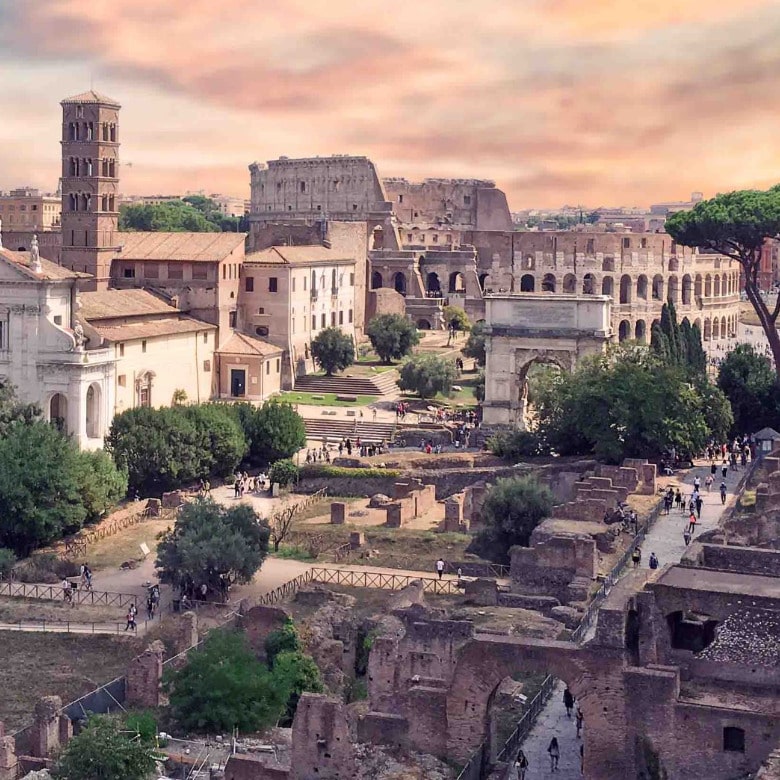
<point x="665" y="539"/>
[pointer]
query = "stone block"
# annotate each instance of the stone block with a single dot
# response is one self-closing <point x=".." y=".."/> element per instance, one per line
<point x="45" y="737"/>
<point x="9" y="763"/>
<point x="394" y="515"/>
<point x="144" y="678"/>
<point x="275" y="490"/>
<point x="356" y="540"/>
<point x="338" y="513"/>
<point x="569" y="616"/>
<point x="187" y="633"/>
<point x="153" y="507"/>
<point x="482" y="591"/>
<point x="321" y="745"/>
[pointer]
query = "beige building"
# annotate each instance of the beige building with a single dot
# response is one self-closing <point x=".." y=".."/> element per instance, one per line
<point x="26" y="209"/>
<point x="290" y="293"/>
<point x="158" y="351"/>
<point x="249" y="368"/>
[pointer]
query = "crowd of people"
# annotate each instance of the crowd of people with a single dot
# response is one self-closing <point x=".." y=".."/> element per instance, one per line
<point x="243" y="484"/>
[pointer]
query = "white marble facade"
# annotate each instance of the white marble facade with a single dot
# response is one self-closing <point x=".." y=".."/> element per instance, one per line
<point x="43" y="352"/>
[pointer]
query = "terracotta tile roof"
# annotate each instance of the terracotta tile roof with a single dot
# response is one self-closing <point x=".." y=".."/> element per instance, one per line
<point x="187" y="247"/>
<point x="49" y="270"/>
<point x="294" y="255"/>
<point x="121" y="303"/>
<point x="242" y="344"/>
<point x="91" y="97"/>
<point x="145" y="329"/>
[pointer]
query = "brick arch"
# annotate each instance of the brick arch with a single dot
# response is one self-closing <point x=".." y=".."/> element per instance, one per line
<point x="481" y="667"/>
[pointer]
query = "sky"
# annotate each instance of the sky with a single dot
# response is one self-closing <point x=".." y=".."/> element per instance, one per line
<point x="593" y="102"/>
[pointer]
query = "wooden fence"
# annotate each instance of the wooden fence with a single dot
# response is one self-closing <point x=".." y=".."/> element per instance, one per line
<point x="77" y="595"/>
<point x="382" y="580"/>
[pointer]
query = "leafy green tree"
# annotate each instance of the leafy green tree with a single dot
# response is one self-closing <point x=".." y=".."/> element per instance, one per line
<point x="511" y="510"/>
<point x="12" y="411"/>
<point x="101" y="751"/>
<point x="479" y="387"/>
<point x="475" y="344"/>
<point x="627" y="403"/>
<point x="7" y="561"/>
<point x="455" y="317"/>
<point x="285" y="472"/>
<point x="392" y="336"/>
<point x="718" y="414"/>
<point x="737" y="224"/>
<point x="223" y="686"/>
<point x="161" y="449"/>
<point x="212" y="545"/>
<point x="283" y="640"/>
<point x="225" y="442"/>
<point x="333" y="350"/>
<point x="669" y="328"/>
<point x="296" y="672"/>
<point x="428" y="375"/>
<point x="40" y="488"/>
<point x="102" y="485"/>
<point x="277" y="432"/>
<point x="747" y="380"/>
<point x="169" y="217"/>
<point x="514" y="445"/>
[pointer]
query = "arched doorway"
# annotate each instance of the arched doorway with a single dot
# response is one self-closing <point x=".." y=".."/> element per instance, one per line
<point x="537" y="370"/>
<point x="399" y="283"/>
<point x="527" y="283"/>
<point x="93" y="402"/>
<point x="641" y="287"/>
<point x="687" y="289"/>
<point x="457" y="284"/>
<point x="570" y="283"/>
<point x="482" y="281"/>
<point x="697" y="286"/>
<point x="625" y="289"/>
<point x="588" y="284"/>
<point x="433" y="285"/>
<point x="640" y="331"/>
<point x="58" y="412"/>
<point x="423" y="325"/>
<point x="624" y="330"/>
<point x="548" y="283"/>
<point x="376" y="280"/>
<point x="608" y="286"/>
<point x="658" y="287"/>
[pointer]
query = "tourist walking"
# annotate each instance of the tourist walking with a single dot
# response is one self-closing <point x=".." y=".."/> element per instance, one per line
<point x="699" y="502"/>
<point x="555" y="754"/>
<point x="521" y="764"/>
<point x="67" y="592"/>
<point x="568" y="701"/>
<point x="579" y="719"/>
<point x="131" y="626"/>
<point x="722" y="492"/>
<point x="724" y="469"/>
<point x="692" y="523"/>
<point x="636" y="557"/>
<point x="653" y="561"/>
<point x="686" y="536"/>
<point x="440" y="567"/>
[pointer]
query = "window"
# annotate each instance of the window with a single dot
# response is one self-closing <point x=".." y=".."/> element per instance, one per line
<point x="249" y="283"/>
<point x="121" y="350"/>
<point x="232" y="319"/>
<point x="591" y="247"/>
<point x="121" y="380"/>
<point x="224" y="271"/>
<point x="2" y="335"/>
<point x="58" y="319"/>
<point x="267" y="367"/>
<point x="305" y="282"/>
<point x="734" y="739"/>
<point x="333" y="319"/>
<point x="354" y="207"/>
<point x="467" y="200"/>
<point x="261" y="310"/>
<point x="341" y="318"/>
<point x="350" y="315"/>
<point x="314" y="322"/>
<point x="303" y="186"/>
<point x="278" y="365"/>
<point x="273" y="284"/>
<point x="205" y="337"/>
<point x="261" y="330"/>
<point x="175" y="271"/>
<point x="435" y="238"/>
<point x="207" y="365"/>
<point x="322" y="320"/>
<point x="152" y="271"/>
<point x="643" y="243"/>
<point x="626" y="243"/>
<point x="400" y="198"/>
<point x="293" y="284"/>
<point x="143" y="345"/>
<point x="129" y="272"/>
<point x="409" y="237"/>
<point x="200" y="272"/>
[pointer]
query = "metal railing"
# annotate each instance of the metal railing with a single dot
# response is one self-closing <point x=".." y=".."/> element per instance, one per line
<point x="79" y="596"/>
<point x="382" y="580"/>
<point x="68" y="627"/>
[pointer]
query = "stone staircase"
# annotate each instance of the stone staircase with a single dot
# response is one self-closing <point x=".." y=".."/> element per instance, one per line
<point x="336" y="430"/>
<point x="383" y="383"/>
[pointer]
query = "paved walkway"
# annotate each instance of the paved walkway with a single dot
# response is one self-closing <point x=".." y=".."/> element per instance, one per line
<point x="665" y="539"/>
<point x="57" y="627"/>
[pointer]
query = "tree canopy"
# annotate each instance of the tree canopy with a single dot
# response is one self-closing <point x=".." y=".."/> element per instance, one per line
<point x="678" y="344"/>
<point x="104" y="751"/>
<point x="392" y="336"/>
<point x="333" y="350"/>
<point x="511" y="510"/>
<point x="737" y="224"/>
<point x="213" y="546"/>
<point x="277" y="432"/>
<point x="475" y="344"/>
<point x="626" y="403"/>
<point x="191" y="214"/>
<point x="456" y="318"/>
<point x="428" y="375"/>
<point x="749" y="383"/>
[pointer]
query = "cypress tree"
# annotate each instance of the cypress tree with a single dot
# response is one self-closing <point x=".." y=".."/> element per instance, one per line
<point x="659" y="343"/>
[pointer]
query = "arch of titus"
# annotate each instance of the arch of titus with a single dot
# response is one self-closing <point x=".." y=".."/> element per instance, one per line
<point x="523" y="329"/>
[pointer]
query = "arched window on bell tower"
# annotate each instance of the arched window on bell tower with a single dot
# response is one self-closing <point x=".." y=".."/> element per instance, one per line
<point x="74" y="202"/>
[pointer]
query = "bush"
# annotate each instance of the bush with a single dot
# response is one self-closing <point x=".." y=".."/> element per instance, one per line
<point x="7" y="561"/>
<point x="428" y="375"/>
<point x="283" y="640"/>
<point x="333" y="350"/>
<point x="392" y="336"/>
<point x="275" y="432"/>
<point x="456" y="318"/>
<point x="475" y="344"/>
<point x="511" y="510"/>
<point x="318" y="470"/>
<point x="224" y="439"/>
<point x="285" y="472"/>
<point x="296" y="672"/>
<point x="103" y="485"/>
<point x="514" y="445"/>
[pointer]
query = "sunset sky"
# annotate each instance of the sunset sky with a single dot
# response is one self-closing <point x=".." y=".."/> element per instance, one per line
<point x="594" y="102"/>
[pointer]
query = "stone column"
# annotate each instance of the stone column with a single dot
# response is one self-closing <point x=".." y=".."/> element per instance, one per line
<point x="188" y="632"/>
<point x="46" y="729"/>
<point x="144" y="676"/>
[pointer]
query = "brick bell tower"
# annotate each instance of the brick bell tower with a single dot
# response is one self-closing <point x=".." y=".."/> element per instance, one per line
<point x="90" y="185"/>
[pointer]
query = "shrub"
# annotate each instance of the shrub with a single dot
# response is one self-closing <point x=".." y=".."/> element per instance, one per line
<point x="333" y="350"/>
<point x="7" y="561"/>
<point x="514" y="445"/>
<point x="285" y="472"/>
<point x="428" y="375"/>
<point x="283" y="640"/>
<point x="392" y="336"/>
<point x="318" y="470"/>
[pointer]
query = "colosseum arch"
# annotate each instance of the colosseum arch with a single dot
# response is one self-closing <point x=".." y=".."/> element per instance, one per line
<point x="707" y="286"/>
<point x="716" y="286"/>
<point x="624" y="330"/>
<point x="548" y="283"/>
<point x="588" y="284"/>
<point x="641" y="287"/>
<point x="527" y="283"/>
<point x="625" y="289"/>
<point x="399" y="282"/>
<point x="673" y="286"/>
<point x="376" y="280"/>
<point x="658" y="287"/>
<point x="687" y="286"/>
<point x="456" y="284"/>
<point x="640" y="331"/>
<point x="697" y="286"/>
<point x="570" y="283"/>
<point x="608" y="286"/>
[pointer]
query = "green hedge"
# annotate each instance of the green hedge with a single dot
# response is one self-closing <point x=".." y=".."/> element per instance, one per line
<point x="315" y="470"/>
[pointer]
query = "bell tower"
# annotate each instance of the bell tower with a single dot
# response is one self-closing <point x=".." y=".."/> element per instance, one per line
<point x="90" y="185"/>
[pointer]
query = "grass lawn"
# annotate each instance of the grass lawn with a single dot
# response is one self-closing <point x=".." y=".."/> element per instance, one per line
<point x="325" y="399"/>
